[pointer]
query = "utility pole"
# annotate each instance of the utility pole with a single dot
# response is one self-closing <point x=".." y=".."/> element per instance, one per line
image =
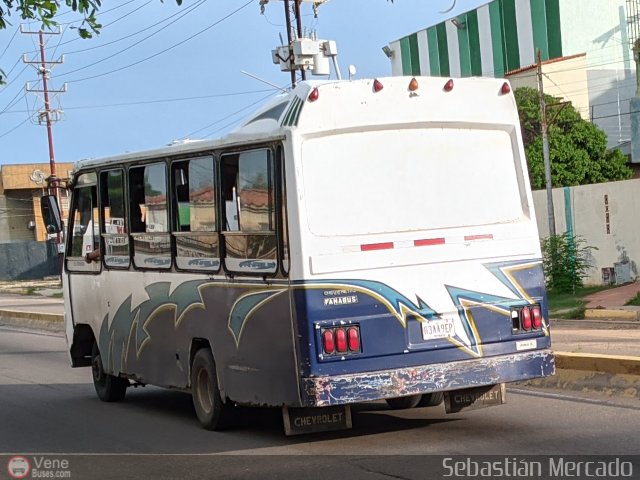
<point x="287" y="15"/>
<point x="48" y="115"/>
<point x="299" y="25"/>
<point x="545" y="151"/>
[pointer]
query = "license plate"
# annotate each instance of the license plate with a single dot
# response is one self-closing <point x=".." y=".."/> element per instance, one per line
<point x="474" y="398"/>
<point x="302" y="420"/>
<point x="437" y="328"/>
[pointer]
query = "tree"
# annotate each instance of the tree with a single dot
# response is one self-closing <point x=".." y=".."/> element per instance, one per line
<point x="44" y="11"/>
<point x="578" y="148"/>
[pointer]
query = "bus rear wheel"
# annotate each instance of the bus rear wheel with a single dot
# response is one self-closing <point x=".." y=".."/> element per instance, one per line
<point x="403" y="403"/>
<point x="108" y="387"/>
<point x="212" y="413"/>
<point x="431" y="399"/>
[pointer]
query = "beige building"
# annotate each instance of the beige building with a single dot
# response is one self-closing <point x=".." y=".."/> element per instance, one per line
<point x="21" y="187"/>
<point x="564" y="78"/>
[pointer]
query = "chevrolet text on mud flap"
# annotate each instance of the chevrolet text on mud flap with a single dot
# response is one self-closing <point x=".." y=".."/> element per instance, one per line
<point x="226" y="271"/>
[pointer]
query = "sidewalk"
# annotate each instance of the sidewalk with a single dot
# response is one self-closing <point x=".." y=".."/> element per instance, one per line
<point x="610" y="303"/>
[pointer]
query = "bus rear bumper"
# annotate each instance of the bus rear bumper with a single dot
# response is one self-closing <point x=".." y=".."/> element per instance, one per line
<point x="362" y="387"/>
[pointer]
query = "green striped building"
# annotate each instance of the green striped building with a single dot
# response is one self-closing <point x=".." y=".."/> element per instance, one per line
<point x="504" y="35"/>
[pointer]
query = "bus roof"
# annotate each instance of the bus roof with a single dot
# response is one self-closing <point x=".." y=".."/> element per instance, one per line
<point x="344" y="104"/>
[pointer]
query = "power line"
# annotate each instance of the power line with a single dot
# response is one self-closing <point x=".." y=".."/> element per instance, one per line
<point x="9" y="44"/>
<point x="184" y="13"/>
<point x="162" y="100"/>
<point x="13" y="101"/>
<point x="226" y="117"/>
<point x="166" y="49"/>
<point x="14" y="128"/>
<point x="102" y="12"/>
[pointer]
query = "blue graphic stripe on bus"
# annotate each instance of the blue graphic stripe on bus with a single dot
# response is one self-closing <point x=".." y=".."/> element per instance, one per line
<point x="129" y="326"/>
<point x="399" y="305"/>
<point x="131" y="323"/>
<point x="518" y="275"/>
<point x="466" y="301"/>
<point x="244" y="307"/>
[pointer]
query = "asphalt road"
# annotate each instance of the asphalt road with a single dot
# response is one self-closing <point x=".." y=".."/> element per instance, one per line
<point x="48" y="408"/>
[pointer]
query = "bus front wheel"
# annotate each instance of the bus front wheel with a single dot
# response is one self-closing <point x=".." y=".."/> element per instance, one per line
<point x="108" y="387"/>
<point x="212" y="413"/>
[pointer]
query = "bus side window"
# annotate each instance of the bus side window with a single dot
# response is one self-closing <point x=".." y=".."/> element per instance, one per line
<point x="84" y="233"/>
<point x="114" y="226"/>
<point x="148" y="216"/>
<point x="195" y="229"/>
<point x="249" y="236"/>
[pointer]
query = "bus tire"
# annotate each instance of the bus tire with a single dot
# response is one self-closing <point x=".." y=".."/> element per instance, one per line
<point x="211" y="411"/>
<point x="108" y="387"/>
<point x="403" y="403"/>
<point x="432" y="399"/>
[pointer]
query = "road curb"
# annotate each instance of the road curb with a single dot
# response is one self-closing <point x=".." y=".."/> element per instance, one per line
<point x="43" y="321"/>
<point x="604" y="313"/>
<point x="586" y="372"/>
<point x="595" y="362"/>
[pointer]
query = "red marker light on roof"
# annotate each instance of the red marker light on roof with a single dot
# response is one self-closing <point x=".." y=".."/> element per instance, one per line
<point x="377" y="86"/>
<point x="313" y="96"/>
<point x="449" y="85"/>
<point x="506" y="88"/>
<point x="413" y="85"/>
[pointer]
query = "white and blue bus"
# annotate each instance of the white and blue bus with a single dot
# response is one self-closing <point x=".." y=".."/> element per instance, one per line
<point x="351" y="241"/>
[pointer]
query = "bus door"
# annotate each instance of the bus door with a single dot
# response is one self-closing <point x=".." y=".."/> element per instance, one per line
<point x="85" y="284"/>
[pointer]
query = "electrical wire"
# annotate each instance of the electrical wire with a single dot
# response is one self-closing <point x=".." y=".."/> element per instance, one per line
<point x="9" y="44"/>
<point x="166" y="49"/>
<point x="14" y="128"/>
<point x="184" y="13"/>
<point x="181" y="12"/>
<point x="226" y="117"/>
<point x="164" y="100"/>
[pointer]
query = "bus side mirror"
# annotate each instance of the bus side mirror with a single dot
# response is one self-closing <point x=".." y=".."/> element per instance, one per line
<point x="51" y="213"/>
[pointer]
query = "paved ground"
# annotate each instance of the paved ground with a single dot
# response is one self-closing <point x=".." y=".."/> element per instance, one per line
<point x="32" y="303"/>
<point x="613" y="298"/>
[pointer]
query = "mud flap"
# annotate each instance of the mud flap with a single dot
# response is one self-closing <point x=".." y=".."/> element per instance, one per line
<point x="473" y="398"/>
<point x="298" y="421"/>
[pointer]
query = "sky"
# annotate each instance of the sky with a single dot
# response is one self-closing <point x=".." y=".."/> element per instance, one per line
<point x="159" y="72"/>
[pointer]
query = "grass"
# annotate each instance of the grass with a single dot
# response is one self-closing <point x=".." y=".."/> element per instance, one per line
<point x="635" y="300"/>
<point x="571" y="305"/>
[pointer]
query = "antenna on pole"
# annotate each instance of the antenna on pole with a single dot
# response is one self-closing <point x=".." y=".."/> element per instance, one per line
<point x="303" y="53"/>
<point x="263" y="80"/>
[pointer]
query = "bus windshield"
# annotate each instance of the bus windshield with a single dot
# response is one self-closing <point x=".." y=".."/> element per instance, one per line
<point x="410" y="179"/>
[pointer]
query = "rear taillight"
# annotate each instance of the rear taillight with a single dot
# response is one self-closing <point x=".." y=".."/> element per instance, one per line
<point x="328" y="344"/>
<point x="341" y="340"/>
<point x="526" y="318"/>
<point x="353" y="338"/>
<point x="537" y="317"/>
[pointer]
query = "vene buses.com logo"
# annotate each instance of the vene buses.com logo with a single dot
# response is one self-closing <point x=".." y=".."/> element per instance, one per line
<point x="18" y="467"/>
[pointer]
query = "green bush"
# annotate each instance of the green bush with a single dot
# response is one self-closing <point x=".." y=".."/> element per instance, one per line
<point x="566" y="261"/>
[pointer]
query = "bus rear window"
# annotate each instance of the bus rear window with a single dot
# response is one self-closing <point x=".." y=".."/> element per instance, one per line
<point x="412" y="179"/>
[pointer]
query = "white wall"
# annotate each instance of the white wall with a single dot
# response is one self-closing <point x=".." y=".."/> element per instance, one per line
<point x="587" y="212"/>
